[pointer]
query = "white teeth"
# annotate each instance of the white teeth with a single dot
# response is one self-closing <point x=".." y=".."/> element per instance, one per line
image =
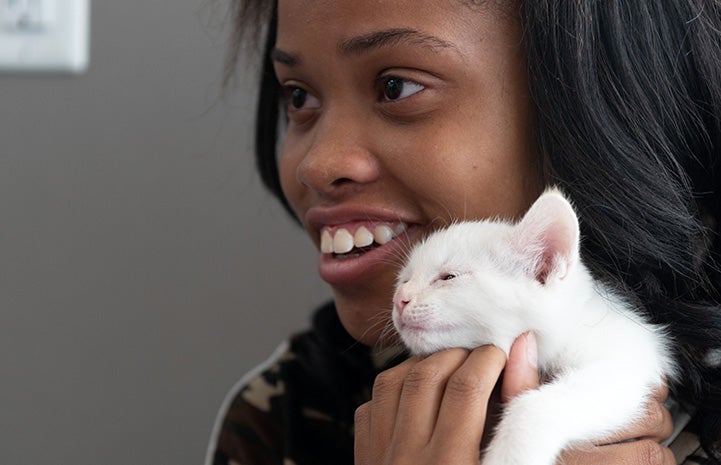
<point x="326" y="242"/>
<point x="362" y="237"/>
<point x="342" y="241"/>
<point x="383" y="234"/>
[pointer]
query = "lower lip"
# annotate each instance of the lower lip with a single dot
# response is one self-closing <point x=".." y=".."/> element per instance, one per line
<point x="344" y="271"/>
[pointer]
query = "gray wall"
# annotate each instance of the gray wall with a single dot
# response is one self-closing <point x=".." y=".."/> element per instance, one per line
<point x="142" y="268"/>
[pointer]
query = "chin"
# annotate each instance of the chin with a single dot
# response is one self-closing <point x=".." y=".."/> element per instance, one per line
<point x="365" y="311"/>
<point x="368" y="324"/>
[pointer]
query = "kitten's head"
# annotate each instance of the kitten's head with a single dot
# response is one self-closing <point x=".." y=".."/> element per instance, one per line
<point x="471" y="283"/>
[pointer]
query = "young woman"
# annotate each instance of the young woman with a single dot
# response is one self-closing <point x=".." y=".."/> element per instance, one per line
<point x="399" y="117"/>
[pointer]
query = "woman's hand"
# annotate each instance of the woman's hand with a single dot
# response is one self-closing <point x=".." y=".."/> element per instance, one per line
<point x="429" y="410"/>
<point x="434" y="409"/>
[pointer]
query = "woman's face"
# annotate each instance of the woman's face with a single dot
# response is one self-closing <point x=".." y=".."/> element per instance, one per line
<point x="403" y="116"/>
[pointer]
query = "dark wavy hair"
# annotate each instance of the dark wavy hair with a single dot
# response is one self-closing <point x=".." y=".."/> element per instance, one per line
<point x="627" y="103"/>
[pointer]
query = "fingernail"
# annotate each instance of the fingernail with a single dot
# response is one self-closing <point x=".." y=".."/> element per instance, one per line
<point x="531" y="349"/>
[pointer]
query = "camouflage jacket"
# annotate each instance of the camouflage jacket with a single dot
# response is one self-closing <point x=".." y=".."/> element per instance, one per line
<point x="298" y="407"/>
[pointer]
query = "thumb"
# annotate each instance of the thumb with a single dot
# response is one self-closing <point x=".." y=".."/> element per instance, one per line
<point x="521" y="372"/>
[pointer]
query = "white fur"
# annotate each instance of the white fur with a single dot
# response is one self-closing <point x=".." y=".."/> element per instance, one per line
<point x="603" y="360"/>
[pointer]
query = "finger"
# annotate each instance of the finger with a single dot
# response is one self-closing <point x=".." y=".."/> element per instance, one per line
<point x="465" y="401"/>
<point x="421" y="396"/>
<point x="644" y="452"/>
<point x="656" y="424"/>
<point x="361" y="440"/>
<point x="660" y="393"/>
<point x="521" y="372"/>
<point x="383" y="408"/>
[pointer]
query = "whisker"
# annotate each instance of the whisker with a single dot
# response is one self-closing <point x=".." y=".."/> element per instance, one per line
<point x="389" y="336"/>
<point x="381" y="319"/>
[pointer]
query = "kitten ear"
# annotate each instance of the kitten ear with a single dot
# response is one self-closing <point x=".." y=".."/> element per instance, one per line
<point x="548" y="237"/>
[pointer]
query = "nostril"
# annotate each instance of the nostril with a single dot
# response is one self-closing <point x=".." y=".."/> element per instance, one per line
<point x="340" y="182"/>
<point x="401" y="305"/>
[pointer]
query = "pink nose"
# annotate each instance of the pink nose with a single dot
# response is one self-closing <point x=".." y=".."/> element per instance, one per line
<point x="401" y="304"/>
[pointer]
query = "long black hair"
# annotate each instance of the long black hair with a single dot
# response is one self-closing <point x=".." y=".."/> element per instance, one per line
<point x="627" y="107"/>
<point x="627" y="101"/>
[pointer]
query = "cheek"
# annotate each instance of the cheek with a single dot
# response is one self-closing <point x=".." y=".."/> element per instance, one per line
<point x="288" y="161"/>
<point x="426" y="160"/>
<point x="482" y="177"/>
<point x="465" y="163"/>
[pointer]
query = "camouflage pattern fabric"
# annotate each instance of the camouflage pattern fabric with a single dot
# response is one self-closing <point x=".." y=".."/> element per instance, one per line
<point x="299" y="409"/>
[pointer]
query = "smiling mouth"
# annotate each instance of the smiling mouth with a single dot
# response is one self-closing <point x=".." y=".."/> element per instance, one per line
<point x="344" y="242"/>
<point x="355" y="252"/>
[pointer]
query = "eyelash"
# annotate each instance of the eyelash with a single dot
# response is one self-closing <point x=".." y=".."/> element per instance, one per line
<point x="389" y="88"/>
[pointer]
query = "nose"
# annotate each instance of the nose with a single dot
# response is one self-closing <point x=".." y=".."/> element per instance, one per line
<point x="401" y="299"/>
<point x="401" y="305"/>
<point x="338" y="158"/>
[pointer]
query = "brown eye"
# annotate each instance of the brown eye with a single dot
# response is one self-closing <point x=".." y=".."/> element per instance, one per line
<point x="397" y="89"/>
<point x="297" y="97"/>
<point x="448" y="277"/>
<point x="393" y="88"/>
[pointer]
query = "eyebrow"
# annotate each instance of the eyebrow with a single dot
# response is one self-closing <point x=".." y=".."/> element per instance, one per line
<point x="373" y="41"/>
<point x="289" y="59"/>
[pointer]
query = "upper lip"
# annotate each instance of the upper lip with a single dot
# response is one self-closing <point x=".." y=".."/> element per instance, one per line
<point x="318" y="217"/>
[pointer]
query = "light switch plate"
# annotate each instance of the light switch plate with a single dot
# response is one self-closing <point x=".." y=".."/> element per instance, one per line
<point x="44" y="35"/>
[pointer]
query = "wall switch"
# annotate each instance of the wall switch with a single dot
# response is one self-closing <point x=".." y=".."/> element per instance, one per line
<point x="27" y="15"/>
<point x="44" y="35"/>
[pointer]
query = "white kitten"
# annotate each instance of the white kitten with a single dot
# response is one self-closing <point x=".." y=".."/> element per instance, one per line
<point x="487" y="282"/>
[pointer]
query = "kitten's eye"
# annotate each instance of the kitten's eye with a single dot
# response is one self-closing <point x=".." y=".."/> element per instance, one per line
<point x="448" y="276"/>
<point x="396" y="88"/>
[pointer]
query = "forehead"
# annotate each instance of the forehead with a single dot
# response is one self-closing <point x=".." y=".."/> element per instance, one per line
<point x="443" y="248"/>
<point x="325" y="22"/>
